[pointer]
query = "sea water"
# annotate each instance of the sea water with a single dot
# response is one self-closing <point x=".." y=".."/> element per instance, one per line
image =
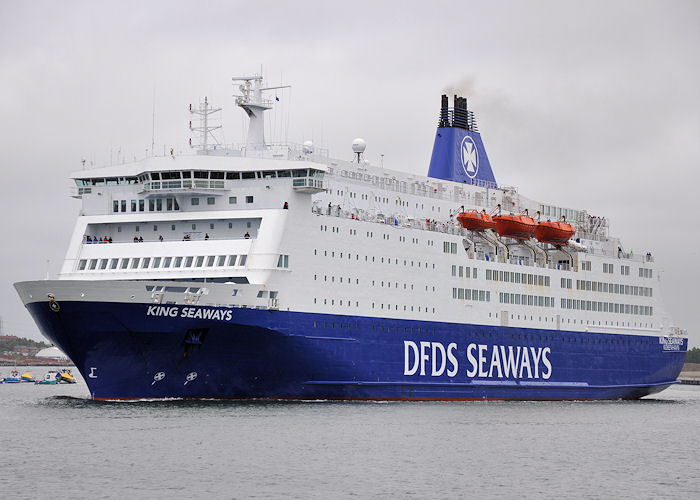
<point x="57" y="443"/>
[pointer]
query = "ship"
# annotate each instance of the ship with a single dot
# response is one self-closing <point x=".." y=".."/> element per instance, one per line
<point x="273" y="270"/>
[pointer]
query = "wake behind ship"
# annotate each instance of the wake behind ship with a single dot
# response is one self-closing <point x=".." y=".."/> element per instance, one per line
<point x="276" y="271"/>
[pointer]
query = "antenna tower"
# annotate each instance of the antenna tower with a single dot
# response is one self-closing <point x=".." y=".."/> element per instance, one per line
<point x="205" y="129"/>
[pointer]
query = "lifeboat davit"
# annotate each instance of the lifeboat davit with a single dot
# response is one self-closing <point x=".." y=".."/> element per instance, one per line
<point x="476" y="221"/>
<point x="556" y="233"/>
<point x="521" y="227"/>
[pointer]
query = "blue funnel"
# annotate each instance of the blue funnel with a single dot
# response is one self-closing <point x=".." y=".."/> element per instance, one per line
<point x="458" y="151"/>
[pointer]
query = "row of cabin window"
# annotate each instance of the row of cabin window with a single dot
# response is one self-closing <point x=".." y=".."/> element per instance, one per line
<point x="137" y="228"/>
<point x="645" y="272"/>
<point x="469" y="294"/>
<point x="370" y="234"/>
<point x="612" y="307"/>
<point x="167" y="262"/>
<point x="382" y="259"/>
<point x="525" y="300"/>
<point x="171" y="204"/>
<point x="448" y="247"/>
<point x="348" y="281"/>
<point x="516" y="277"/>
<point x="382" y="306"/>
<point x="154" y="205"/>
<point x="575" y="321"/>
<point x="464" y="271"/>
<point x="597" y="286"/>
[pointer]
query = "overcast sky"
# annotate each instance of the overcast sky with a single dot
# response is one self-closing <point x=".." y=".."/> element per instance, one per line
<point x="588" y="105"/>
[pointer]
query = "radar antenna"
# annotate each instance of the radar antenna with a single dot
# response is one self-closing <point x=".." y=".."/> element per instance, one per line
<point x="204" y="129"/>
<point x="253" y="103"/>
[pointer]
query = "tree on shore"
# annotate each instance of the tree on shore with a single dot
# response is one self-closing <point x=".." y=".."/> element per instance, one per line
<point x="693" y="355"/>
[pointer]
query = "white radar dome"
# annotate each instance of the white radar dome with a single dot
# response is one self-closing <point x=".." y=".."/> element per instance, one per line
<point x="308" y="147"/>
<point x="359" y="145"/>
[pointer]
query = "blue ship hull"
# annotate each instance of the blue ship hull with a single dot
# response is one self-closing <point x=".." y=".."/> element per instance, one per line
<point x="127" y="350"/>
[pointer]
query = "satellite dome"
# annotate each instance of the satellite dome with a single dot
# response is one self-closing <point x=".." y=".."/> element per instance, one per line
<point x="308" y="147"/>
<point x="359" y="145"/>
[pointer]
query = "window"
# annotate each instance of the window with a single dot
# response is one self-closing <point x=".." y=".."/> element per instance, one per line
<point x="145" y="263"/>
<point x="194" y="201"/>
<point x="82" y="264"/>
<point x="231" y="260"/>
<point x="124" y="264"/>
<point x="210" y="261"/>
<point x="115" y="206"/>
<point x="141" y="205"/>
<point x="169" y="203"/>
<point x="188" y="260"/>
<point x="241" y="261"/>
<point x="211" y="226"/>
<point x="159" y="204"/>
<point x="151" y="205"/>
<point x="232" y="200"/>
<point x="113" y="263"/>
<point x="133" y="205"/>
<point x="249" y="199"/>
<point x="123" y="205"/>
<point x="156" y="262"/>
<point x="167" y="261"/>
<point x="211" y="200"/>
<point x="221" y="260"/>
<point x="199" y="261"/>
<point x="135" y="263"/>
<point x="155" y="227"/>
<point x="178" y="262"/>
<point x="283" y="262"/>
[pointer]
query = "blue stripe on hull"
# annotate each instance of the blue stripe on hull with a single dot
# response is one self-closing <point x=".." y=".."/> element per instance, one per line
<point x="122" y="352"/>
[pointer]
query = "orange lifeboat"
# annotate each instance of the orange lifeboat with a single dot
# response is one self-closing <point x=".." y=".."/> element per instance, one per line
<point x="521" y="227"/>
<point x="476" y="221"/>
<point x="556" y="233"/>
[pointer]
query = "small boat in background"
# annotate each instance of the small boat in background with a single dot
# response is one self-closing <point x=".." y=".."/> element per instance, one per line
<point x="14" y="378"/>
<point x="66" y="377"/>
<point x="473" y="220"/>
<point x="27" y="377"/>
<point x="51" y="378"/>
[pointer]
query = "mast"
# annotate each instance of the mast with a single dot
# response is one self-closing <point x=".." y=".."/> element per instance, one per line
<point x="253" y="103"/>
<point x="204" y="128"/>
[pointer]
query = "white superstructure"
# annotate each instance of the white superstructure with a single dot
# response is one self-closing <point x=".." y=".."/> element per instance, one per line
<point x="287" y="227"/>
